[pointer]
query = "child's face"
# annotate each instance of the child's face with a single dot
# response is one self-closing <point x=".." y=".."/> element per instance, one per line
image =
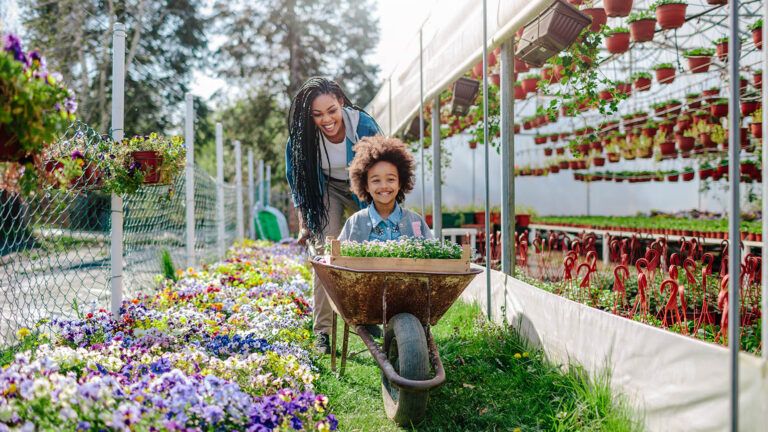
<point x="383" y="183"/>
<point x="326" y="113"/>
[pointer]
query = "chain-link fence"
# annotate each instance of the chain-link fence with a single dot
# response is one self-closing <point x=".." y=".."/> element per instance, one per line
<point x="55" y="245"/>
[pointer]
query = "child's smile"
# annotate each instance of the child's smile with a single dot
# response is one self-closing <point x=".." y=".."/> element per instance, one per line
<point x="383" y="186"/>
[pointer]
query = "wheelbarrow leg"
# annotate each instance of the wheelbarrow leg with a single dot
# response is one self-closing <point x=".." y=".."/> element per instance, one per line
<point x="333" y="343"/>
<point x="344" y="348"/>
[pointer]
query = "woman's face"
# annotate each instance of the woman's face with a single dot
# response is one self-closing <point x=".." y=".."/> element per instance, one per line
<point x="326" y="112"/>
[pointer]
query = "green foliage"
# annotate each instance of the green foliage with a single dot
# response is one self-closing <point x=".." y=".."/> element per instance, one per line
<point x="721" y="101"/>
<point x="640" y="15"/>
<point x="663" y="66"/>
<point x="167" y="267"/>
<point x="756" y="25"/>
<point x="403" y="248"/>
<point x="720" y="40"/>
<point x="699" y="52"/>
<point x="124" y="175"/>
<point x="616" y="30"/>
<point x="637" y="75"/>
<point x="658" y="3"/>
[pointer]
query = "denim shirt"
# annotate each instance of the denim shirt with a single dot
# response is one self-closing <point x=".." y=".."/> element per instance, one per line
<point x="385" y="229"/>
<point x="366" y="126"/>
<point x="359" y="226"/>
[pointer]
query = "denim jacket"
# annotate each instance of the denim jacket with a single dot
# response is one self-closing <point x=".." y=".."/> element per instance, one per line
<point x="366" y="126"/>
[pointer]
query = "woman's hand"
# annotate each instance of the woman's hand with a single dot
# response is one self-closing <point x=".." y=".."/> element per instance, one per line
<point x="303" y="231"/>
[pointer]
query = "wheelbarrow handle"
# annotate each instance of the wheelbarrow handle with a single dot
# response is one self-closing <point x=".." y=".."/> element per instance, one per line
<point x="389" y="372"/>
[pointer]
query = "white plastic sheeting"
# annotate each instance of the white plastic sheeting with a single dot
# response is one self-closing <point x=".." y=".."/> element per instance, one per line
<point x="452" y="40"/>
<point x="678" y="383"/>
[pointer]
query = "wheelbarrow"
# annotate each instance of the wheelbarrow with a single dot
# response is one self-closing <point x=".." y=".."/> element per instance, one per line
<point x="407" y="303"/>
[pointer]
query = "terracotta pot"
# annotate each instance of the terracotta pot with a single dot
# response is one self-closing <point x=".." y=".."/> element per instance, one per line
<point x="613" y="157"/>
<point x="701" y="117"/>
<point x="673" y="177"/>
<point x="748" y="107"/>
<point x="671" y="16"/>
<point x="649" y="132"/>
<point x="699" y="64"/>
<point x="721" y="50"/>
<point x="711" y="95"/>
<point x="718" y="110"/>
<point x="564" y="164"/>
<point x="684" y="143"/>
<point x="642" y="84"/>
<point x="705" y="173"/>
<point x="548" y="151"/>
<point x="496" y="79"/>
<point x="757" y="37"/>
<point x="617" y="43"/>
<point x="706" y="141"/>
<point x="624" y="88"/>
<point x="521" y="66"/>
<point x="667" y="128"/>
<point x="599" y="18"/>
<point x="617" y="8"/>
<point x="665" y="75"/>
<point x="688" y="176"/>
<point x="667" y="148"/>
<point x="605" y="95"/>
<point x="642" y="31"/>
<point x="560" y="150"/>
<point x="598" y="161"/>
<point x="519" y="92"/>
<point x="540" y="139"/>
<point x="756" y="129"/>
<point x="758" y="79"/>
<point x="683" y="124"/>
<point x="149" y="163"/>
<point x="529" y="85"/>
<point x="477" y="70"/>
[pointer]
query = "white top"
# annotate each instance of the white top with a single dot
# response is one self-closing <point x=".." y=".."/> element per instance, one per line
<point x="337" y="156"/>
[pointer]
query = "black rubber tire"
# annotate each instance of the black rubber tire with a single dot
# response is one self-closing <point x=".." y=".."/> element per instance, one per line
<point x="405" y="345"/>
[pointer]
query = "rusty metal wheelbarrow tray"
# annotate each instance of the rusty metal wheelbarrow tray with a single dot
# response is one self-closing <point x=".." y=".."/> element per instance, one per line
<point x="374" y="296"/>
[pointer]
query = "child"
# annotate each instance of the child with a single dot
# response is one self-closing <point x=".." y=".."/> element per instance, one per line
<point x="381" y="173"/>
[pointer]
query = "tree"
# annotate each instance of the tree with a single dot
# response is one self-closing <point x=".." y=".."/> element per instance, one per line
<point x="278" y="44"/>
<point x="165" y="41"/>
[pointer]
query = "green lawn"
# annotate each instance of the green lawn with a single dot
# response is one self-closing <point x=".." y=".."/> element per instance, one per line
<point x="494" y="383"/>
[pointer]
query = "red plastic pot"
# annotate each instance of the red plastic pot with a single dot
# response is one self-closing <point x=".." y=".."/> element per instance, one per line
<point x="529" y="85"/>
<point x="699" y="64"/>
<point x="667" y="148"/>
<point x="758" y="79"/>
<point x="560" y="150"/>
<point x="717" y="2"/>
<point x="718" y="110"/>
<point x="748" y="107"/>
<point x="673" y="177"/>
<point x="473" y="144"/>
<point x="149" y="163"/>
<point x="599" y="18"/>
<point x="721" y="50"/>
<point x="642" y="31"/>
<point x="548" y="151"/>
<point x="705" y="140"/>
<point x="477" y="71"/>
<point x="666" y="128"/>
<point x="711" y="94"/>
<point x="671" y="16"/>
<point x="496" y="79"/>
<point x="757" y="37"/>
<point x="547" y="74"/>
<point x="705" y="173"/>
<point x="624" y="88"/>
<point x="605" y="95"/>
<point x="684" y="143"/>
<point x="756" y="129"/>
<point x="688" y="176"/>
<point x="642" y="84"/>
<point x="617" y="43"/>
<point x="554" y="169"/>
<point x="540" y="139"/>
<point x="665" y="75"/>
<point x="598" y="161"/>
<point x="519" y="92"/>
<point x="521" y="66"/>
<point x="617" y="8"/>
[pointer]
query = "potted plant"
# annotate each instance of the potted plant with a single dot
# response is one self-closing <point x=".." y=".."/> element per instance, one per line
<point x="670" y="13"/>
<point x="699" y="59"/>
<point x="642" y="25"/>
<point x="666" y="127"/>
<point x="757" y="32"/>
<point x="758" y="78"/>
<point x="617" y="8"/>
<point x="641" y="81"/>
<point x="693" y="100"/>
<point x="705" y="171"/>
<point x="35" y="106"/>
<point x="76" y="162"/>
<point x="721" y="48"/>
<point x="667" y="148"/>
<point x="665" y="72"/>
<point x="540" y="139"/>
<point x="152" y="159"/>
<point x="617" y="40"/>
<point x="719" y="108"/>
<point x="711" y="94"/>
<point x="529" y="83"/>
<point x="599" y="18"/>
<point x="748" y="106"/>
<point x="756" y="127"/>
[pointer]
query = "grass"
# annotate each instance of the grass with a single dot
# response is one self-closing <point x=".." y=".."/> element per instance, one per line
<point x="494" y="382"/>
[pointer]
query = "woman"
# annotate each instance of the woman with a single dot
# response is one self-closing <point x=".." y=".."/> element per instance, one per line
<point x="323" y="127"/>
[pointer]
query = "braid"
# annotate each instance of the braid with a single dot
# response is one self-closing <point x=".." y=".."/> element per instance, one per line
<point x="306" y="151"/>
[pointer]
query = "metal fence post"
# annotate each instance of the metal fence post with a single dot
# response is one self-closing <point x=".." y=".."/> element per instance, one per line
<point x="251" y="196"/>
<point x="118" y="112"/>
<point x="487" y="179"/>
<point x="261" y="183"/>
<point x="507" y="159"/>
<point x="268" y="186"/>
<point x="220" y="190"/>
<point x="437" y="195"/>
<point x="189" y="140"/>
<point x="239" y="191"/>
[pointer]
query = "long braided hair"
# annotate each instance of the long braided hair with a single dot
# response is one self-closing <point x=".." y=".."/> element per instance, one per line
<point x="305" y="151"/>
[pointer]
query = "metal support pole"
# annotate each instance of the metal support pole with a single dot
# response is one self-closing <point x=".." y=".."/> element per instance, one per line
<point x="764" y="261"/>
<point x="220" y="190"/>
<point x="486" y="146"/>
<point x="268" y="187"/>
<point x="389" y="106"/>
<point x="189" y="141"/>
<point x="118" y="114"/>
<point x="251" y="197"/>
<point x="734" y="251"/>
<point x="437" y="184"/>
<point x="507" y="159"/>
<point x="261" y="183"/>
<point x="421" y="124"/>
<point x="239" y="191"/>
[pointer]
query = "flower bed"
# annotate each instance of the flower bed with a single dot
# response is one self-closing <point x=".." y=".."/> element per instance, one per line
<point x="225" y="348"/>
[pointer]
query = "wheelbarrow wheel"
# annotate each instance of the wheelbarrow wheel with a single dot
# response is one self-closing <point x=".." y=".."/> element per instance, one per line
<point x="406" y="347"/>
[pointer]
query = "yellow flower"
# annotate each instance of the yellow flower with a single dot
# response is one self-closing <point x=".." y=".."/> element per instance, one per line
<point x="22" y="333"/>
<point x="517" y="429"/>
<point x="517" y="355"/>
<point x="525" y="354"/>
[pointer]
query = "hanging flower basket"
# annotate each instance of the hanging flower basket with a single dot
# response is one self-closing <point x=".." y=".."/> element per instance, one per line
<point x="496" y="79"/>
<point x="599" y="18"/>
<point x="624" y="88"/>
<point x="472" y="144"/>
<point x="148" y="162"/>
<point x="560" y="150"/>
<point x="521" y="66"/>
<point x="665" y="74"/>
<point x="477" y="70"/>
<point x="519" y="92"/>
<point x="642" y="83"/>
<point x="748" y="107"/>
<point x="711" y="95"/>
<point x="719" y="109"/>
<point x="617" y="8"/>
<point x="670" y="15"/>
<point x="605" y="95"/>
<point x="617" y="41"/>
<point x="552" y="31"/>
<point x="756" y="129"/>
<point x="757" y="33"/>
<point x="688" y="175"/>
<point x="548" y="151"/>
<point x="721" y="49"/>
<point x="613" y="157"/>
<point x="698" y="64"/>
<point x="529" y="84"/>
<point x="717" y="2"/>
<point x="642" y="27"/>
<point x="758" y="79"/>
